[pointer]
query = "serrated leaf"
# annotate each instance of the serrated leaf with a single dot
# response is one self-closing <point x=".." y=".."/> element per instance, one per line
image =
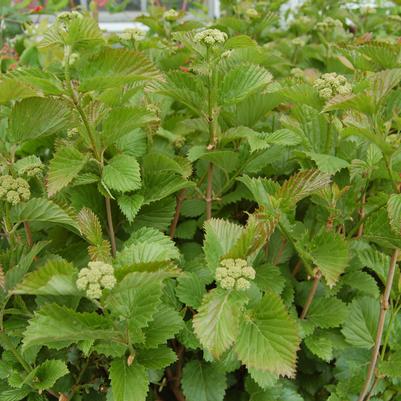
<point x="165" y="323"/>
<point x="190" y="289"/>
<point x="81" y="33"/>
<point x="122" y="173"/>
<point x="268" y="338"/>
<point x="330" y="254"/>
<point x="56" y="277"/>
<point x="156" y="358"/>
<point x="122" y="121"/>
<point x="362" y="282"/>
<point x="46" y="374"/>
<point x="217" y="323"/>
<point x="327" y="163"/>
<point x="320" y="346"/>
<point x="301" y="185"/>
<point x="327" y="312"/>
<point x="243" y="81"/>
<point x="392" y="366"/>
<point x="360" y="327"/>
<point x="47" y="116"/>
<point x="113" y="67"/>
<point x="263" y="379"/>
<point x="128" y="382"/>
<point x="64" y="167"/>
<point x="220" y="237"/>
<point x="90" y="227"/>
<point x="130" y="205"/>
<point x="203" y="382"/>
<point x="394" y="212"/>
<point x="135" y="299"/>
<point x="43" y="210"/>
<point x="57" y="327"/>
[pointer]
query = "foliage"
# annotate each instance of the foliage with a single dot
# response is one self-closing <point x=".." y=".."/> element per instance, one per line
<point x="208" y="211"/>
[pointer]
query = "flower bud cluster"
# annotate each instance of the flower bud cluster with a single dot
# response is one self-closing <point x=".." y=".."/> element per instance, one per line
<point x="14" y="190"/>
<point x="210" y="37"/>
<point x="135" y="34"/>
<point x="235" y="274"/>
<point x="170" y="15"/>
<point x="329" y="24"/>
<point x="68" y="16"/>
<point x="332" y="84"/>
<point x="252" y="13"/>
<point x="32" y="170"/>
<point x="94" y="278"/>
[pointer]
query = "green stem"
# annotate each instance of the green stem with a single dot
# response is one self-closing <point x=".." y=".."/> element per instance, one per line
<point x="75" y="100"/>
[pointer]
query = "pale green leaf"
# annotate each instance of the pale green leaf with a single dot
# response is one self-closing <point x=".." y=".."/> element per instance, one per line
<point x="268" y="338"/>
<point x="327" y="312"/>
<point x="122" y="173"/>
<point x="130" y="205"/>
<point x="217" y="323"/>
<point x="64" y="167"/>
<point x="56" y="277"/>
<point x="46" y="374"/>
<point x="190" y="289"/>
<point x="128" y="382"/>
<point x="203" y="382"/>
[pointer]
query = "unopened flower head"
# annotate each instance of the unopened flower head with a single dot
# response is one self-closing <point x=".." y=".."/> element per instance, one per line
<point x="32" y="170"/>
<point x="14" y="190"/>
<point x="210" y="37"/>
<point x="171" y="15"/>
<point x="68" y="16"/>
<point x="235" y="274"/>
<point x="252" y="13"/>
<point x="329" y="24"/>
<point x="96" y="277"/>
<point x="135" y="34"/>
<point x="332" y="84"/>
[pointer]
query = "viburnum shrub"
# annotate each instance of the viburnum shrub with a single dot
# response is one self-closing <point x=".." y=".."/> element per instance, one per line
<point x="203" y="211"/>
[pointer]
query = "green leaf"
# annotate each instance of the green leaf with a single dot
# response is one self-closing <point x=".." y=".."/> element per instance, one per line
<point x="122" y="173"/>
<point x="203" y="382"/>
<point x="46" y="374"/>
<point x="156" y="358"/>
<point x="362" y="282"/>
<point x="301" y="185"/>
<point x="217" y="323"/>
<point x="190" y="289"/>
<point x="220" y="237"/>
<point x="360" y="327"/>
<point x="113" y="67"/>
<point x="392" y="366"/>
<point x="122" y="121"/>
<point x="47" y="116"/>
<point x="320" y="346"/>
<point x="43" y="210"/>
<point x="56" y="277"/>
<point x="81" y="33"/>
<point x="263" y="379"/>
<point x="327" y="312"/>
<point x="330" y="254"/>
<point x="57" y="327"/>
<point x="268" y="338"/>
<point x="89" y="226"/>
<point x="64" y="167"/>
<point x="130" y="205"/>
<point x="165" y="324"/>
<point x="327" y="163"/>
<point x="135" y="299"/>
<point x="14" y="394"/>
<point x="394" y="212"/>
<point x="128" y="382"/>
<point x="242" y="81"/>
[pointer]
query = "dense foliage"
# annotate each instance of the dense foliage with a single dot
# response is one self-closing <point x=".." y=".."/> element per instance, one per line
<point x="204" y="212"/>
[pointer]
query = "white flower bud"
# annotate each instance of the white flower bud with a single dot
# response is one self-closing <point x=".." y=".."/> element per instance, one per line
<point x="242" y="284"/>
<point x="209" y="37"/>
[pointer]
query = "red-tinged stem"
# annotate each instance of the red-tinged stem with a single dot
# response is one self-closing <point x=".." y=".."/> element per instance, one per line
<point x="384" y="305"/>
<point x="180" y="199"/>
<point x="110" y="225"/>
<point x="209" y="192"/>
<point x="297" y="268"/>
<point x="311" y="295"/>
<point x="28" y="234"/>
